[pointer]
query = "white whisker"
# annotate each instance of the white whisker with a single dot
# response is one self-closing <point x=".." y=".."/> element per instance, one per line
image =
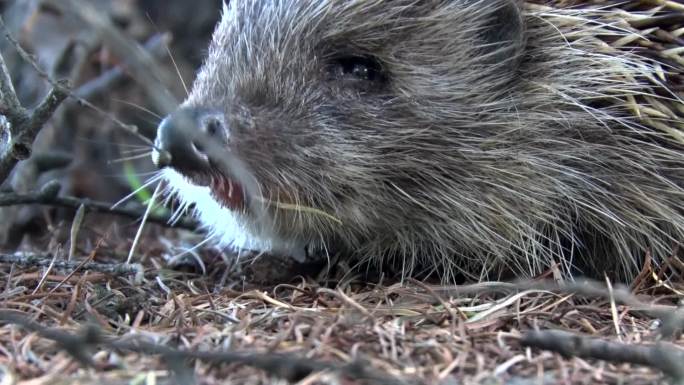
<point x="138" y="234"/>
<point x="147" y="184"/>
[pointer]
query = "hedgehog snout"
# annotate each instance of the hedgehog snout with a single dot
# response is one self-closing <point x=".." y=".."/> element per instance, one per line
<point x="180" y="136"/>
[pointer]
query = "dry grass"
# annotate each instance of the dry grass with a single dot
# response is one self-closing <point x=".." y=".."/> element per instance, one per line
<point x="411" y="332"/>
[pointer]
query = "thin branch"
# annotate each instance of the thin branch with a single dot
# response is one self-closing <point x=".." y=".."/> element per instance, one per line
<point x="140" y="62"/>
<point x="110" y="77"/>
<point x="46" y="108"/>
<point x="27" y="57"/>
<point x="48" y="196"/>
<point x="25" y="129"/>
<point x="661" y="355"/>
<point x="42" y="260"/>
<point x="78" y="346"/>
<point x="10" y="102"/>
<point x="24" y="126"/>
<point x="286" y="366"/>
<point x="672" y="317"/>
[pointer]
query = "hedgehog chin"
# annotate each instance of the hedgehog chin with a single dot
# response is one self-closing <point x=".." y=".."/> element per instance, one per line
<point x="225" y="227"/>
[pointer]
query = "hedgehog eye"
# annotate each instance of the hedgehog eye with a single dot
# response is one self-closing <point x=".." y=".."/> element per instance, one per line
<point x="358" y="68"/>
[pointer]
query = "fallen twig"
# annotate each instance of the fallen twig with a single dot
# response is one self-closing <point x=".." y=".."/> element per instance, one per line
<point x="82" y="343"/>
<point x="661" y="355"/>
<point x="40" y="260"/>
<point x="47" y="195"/>
<point x="672" y="317"/>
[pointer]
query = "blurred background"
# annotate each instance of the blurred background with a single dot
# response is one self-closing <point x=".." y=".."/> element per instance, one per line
<point x="85" y="150"/>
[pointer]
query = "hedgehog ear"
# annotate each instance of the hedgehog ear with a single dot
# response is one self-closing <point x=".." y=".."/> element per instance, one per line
<point x="504" y="34"/>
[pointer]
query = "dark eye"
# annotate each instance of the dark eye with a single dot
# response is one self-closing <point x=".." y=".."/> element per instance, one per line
<point x="358" y="68"/>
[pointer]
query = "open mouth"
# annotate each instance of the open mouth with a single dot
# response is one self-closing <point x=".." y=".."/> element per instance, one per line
<point x="227" y="192"/>
<point x="224" y="190"/>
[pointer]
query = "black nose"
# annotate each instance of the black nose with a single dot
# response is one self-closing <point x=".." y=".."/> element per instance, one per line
<point x="179" y="138"/>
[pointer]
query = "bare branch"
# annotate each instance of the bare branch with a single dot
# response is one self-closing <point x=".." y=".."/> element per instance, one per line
<point x="61" y="87"/>
<point x="9" y="103"/>
<point x="45" y="109"/>
<point x="663" y="356"/>
<point x="285" y="366"/>
<point x="23" y="126"/>
<point x="106" y="79"/>
<point x="48" y="196"/>
<point x="78" y="346"/>
<point x="140" y="62"/>
<point x="24" y="131"/>
<point x="672" y="317"/>
<point x="39" y="260"/>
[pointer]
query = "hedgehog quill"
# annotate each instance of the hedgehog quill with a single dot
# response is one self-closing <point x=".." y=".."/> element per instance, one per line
<point x="469" y="136"/>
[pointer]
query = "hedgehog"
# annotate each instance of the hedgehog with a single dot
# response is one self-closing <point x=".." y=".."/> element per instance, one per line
<point x="448" y="137"/>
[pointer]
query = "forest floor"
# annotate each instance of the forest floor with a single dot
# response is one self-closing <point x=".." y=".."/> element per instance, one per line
<point x="96" y="320"/>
